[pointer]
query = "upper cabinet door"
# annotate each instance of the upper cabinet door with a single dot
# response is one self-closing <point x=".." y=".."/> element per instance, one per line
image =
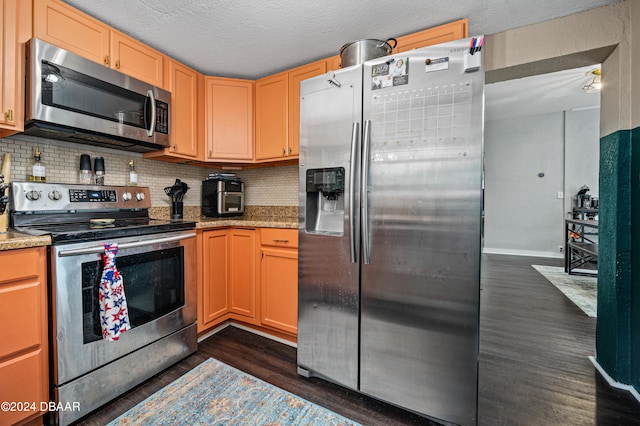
<point x="136" y="59"/>
<point x="69" y="29"/>
<point x="15" y="29"/>
<point x="229" y="119"/>
<point x="333" y="63"/>
<point x="295" y="77"/>
<point x="272" y="105"/>
<point x="8" y="63"/>
<point x="182" y="82"/>
<point x="441" y="34"/>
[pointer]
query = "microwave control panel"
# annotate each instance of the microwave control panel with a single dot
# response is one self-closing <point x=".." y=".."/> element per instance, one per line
<point x="162" y="117"/>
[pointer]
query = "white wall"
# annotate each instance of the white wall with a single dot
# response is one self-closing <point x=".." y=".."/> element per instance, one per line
<point x="582" y="153"/>
<point x="523" y="214"/>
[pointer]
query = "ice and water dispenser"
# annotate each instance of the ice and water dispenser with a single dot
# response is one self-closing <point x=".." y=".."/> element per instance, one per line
<point x="325" y="201"/>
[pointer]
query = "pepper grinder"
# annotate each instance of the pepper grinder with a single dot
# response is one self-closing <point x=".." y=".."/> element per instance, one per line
<point x="85" y="169"/>
<point x="98" y="167"/>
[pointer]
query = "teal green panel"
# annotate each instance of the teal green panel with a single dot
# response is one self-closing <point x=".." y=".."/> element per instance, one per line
<point x="613" y="331"/>
<point x="635" y="254"/>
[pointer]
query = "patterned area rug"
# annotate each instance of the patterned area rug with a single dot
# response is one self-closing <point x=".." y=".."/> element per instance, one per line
<point x="214" y="393"/>
<point x="581" y="290"/>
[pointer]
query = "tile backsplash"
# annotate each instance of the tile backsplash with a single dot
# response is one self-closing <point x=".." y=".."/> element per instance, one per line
<point x="270" y="186"/>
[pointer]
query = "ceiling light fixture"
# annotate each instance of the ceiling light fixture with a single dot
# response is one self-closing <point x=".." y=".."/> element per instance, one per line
<point x="594" y="83"/>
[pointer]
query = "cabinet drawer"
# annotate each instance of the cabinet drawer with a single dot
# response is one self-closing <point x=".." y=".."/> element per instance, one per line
<point x="20" y="312"/>
<point x="19" y="264"/>
<point x="279" y="237"/>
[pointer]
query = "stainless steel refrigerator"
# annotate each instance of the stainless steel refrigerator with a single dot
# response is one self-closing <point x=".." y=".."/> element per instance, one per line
<point x="390" y="206"/>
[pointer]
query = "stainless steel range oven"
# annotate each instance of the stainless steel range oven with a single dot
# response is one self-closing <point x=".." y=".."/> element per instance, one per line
<point x="156" y="260"/>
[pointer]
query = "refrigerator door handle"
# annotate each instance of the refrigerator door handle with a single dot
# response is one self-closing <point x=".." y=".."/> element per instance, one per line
<point x="353" y="173"/>
<point x="364" y="193"/>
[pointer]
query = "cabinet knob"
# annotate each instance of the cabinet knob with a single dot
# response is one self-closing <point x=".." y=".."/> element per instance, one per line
<point x="283" y="151"/>
<point x="118" y="64"/>
<point x="106" y="59"/>
<point x="289" y="150"/>
<point x="175" y="147"/>
<point x="9" y="115"/>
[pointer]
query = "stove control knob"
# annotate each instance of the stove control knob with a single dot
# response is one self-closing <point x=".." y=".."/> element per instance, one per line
<point x="139" y="196"/>
<point x="126" y="196"/>
<point x="55" y="195"/>
<point x="33" y="195"/>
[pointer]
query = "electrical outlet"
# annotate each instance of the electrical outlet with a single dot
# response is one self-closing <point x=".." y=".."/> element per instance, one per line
<point x="560" y="194"/>
<point x="561" y="249"/>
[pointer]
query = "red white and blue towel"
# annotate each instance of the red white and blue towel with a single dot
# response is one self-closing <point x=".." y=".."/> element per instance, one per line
<point x="114" y="316"/>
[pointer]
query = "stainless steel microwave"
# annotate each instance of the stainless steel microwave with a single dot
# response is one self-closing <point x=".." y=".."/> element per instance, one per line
<point x="77" y="100"/>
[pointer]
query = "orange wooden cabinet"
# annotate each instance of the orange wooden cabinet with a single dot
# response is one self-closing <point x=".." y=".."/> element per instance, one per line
<point x="440" y="34"/>
<point x="229" y="289"/>
<point x="184" y="85"/>
<point x="272" y="115"/>
<point x="228" y="119"/>
<point x="15" y="29"/>
<point x="136" y="59"/>
<point x="279" y="279"/>
<point x="64" y="26"/>
<point x="333" y="63"/>
<point x="214" y="300"/>
<point x="278" y="112"/>
<point x="243" y="292"/>
<point x="24" y="351"/>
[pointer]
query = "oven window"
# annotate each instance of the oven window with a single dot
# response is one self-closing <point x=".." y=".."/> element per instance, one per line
<point x="153" y="285"/>
<point x="233" y="203"/>
<point x="74" y="91"/>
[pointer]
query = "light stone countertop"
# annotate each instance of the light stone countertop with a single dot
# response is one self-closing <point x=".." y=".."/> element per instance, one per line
<point x="213" y="223"/>
<point x="255" y="217"/>
<point x="11" y="240"/>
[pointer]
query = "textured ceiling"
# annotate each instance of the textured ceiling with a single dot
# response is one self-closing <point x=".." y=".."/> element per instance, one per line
<point x="540" y="94"/>
<point x="251" y="39"/>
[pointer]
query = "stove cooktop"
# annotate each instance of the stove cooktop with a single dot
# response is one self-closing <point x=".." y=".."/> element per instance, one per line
<point x="66" y="211"/>
<point x="86" y="231"/>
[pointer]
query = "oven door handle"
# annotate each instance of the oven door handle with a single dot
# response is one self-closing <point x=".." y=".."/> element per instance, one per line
<point x="100" y="249"/>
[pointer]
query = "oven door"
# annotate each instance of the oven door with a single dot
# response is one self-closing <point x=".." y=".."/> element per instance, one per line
<point x="159" y="280"/>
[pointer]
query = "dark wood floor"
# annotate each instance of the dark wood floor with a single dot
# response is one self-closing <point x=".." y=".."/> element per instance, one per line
<point x="534" y="366"/>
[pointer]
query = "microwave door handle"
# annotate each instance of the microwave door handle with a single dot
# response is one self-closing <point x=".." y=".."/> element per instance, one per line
<point x="100" y="249"/>
<point x="151" y="125"/>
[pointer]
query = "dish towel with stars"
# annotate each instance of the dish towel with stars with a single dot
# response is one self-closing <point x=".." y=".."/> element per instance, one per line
<point x="114" y="317"/>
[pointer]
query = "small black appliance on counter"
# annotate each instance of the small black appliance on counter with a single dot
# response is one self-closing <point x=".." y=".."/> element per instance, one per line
<point x="222" y="195"/>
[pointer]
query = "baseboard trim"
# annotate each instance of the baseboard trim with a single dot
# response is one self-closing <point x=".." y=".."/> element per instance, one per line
<point x="529" y="253"/>
<point x="612" y="382"/>
<point x="245" y="328"/>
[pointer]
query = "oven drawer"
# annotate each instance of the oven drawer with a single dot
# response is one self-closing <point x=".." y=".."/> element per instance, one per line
<point x="279" y="237"/>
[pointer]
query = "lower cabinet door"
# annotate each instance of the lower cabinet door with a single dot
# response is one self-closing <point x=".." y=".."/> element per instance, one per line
<point x="279" y="295"/>
<point x="23" y="387"/>
<point x="215" y="291"/>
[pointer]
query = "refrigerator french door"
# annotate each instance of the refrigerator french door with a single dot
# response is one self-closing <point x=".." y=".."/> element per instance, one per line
<point x="390" y="207"/>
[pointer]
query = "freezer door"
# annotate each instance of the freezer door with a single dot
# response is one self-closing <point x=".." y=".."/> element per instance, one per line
<point x="328" y="285"/>
<point x="422" y="217"/>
